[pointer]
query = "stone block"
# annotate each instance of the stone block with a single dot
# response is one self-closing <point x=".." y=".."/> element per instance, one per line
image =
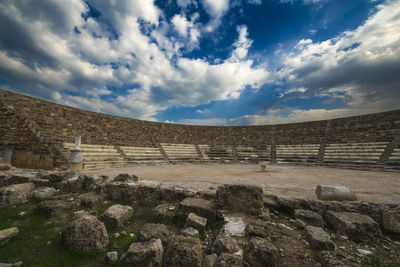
<point x="258" y="228"/>
<point x="200" y="206"/>
<point x="319" y="239"/>
<point x="391" y="221"/>
<point x="229" y="260"/>
<point x="356" y="226"/>
<point x="195" y="221"/>
<point x="246" y="199"/>
<point x="309" y="217"/>
<point x="154" y="231"/>
<point x="7" y="234"/>
<point x="43" y="193"/>
<point x="338" y="193"/>
<point x="184" y="251"/>
<point x="117" y="214"/>
<point x="259" y="253"/>
<point x="57" y="207"/>
<point x="148" y="253"/>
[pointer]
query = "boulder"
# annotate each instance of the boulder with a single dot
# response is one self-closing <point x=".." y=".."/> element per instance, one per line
<point x="7" y="234"/>
<point x="57" y="207"/>
<point x="354" y="225"/>
<point x="339" y="193"/>
<point x="257" y="228"/>
<point x="184" y="251"/>
<point x="319" y="239"/>
<point x="154" y="231"/>
<point x="91" y="199"/>
<point x="195" y="221"/>
<point x="125" y="177"/>
<point x="85" y="232"/>
<point x="260" y="252"/>
<point x="309" y="217"/>
<point x="202" y="207"/>
<point x="43" y="193"/>
<point x="229" y="260"/>
<point x="148" y="253"/>
<point x="15" y="194"/>
<point x="391" y="221"/>
<point x="117" y="214"/>
<point x="165" y="211"/>
<point x="246" y="199"/>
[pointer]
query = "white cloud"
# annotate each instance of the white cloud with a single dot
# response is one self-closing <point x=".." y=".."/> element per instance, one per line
<point x="242" y="45"/>
<point x="306" y="2"/>
<point x="216" y="9"/>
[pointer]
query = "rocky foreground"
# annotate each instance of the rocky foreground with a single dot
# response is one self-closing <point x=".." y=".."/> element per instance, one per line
<point x="232" y="225"/>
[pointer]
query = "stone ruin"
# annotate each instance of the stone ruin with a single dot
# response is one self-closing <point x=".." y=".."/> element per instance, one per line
<point x="234" y="225"/>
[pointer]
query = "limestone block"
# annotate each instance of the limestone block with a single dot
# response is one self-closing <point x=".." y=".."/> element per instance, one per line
<point x="257" y="228"/>
<point x="149" y="253"/>
<point x="391" y="220"/>
<point x="200" y="206"/>
<point x="117" y="214"/>
<point x="247" y="199"/>
<point x="356" y="226"/>
<point x="154" y="231"/>
<point x="229" y="260"/>
<point x="57" y="207"/>
<point x="184" y="251"/>
<point x="260" y="252"/>
<point x="195" y="221"/>
<point x="309" y="217"/>
<point x="42" y="193"/>
<point x="319" y="239"/>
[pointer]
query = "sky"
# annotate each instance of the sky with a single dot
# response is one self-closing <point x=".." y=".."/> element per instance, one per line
<point x="205" y="62"/>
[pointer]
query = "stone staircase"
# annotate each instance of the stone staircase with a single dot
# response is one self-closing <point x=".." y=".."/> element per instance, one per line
<point x="394" y="159"/>
<point x="297" y="153"/>
<point x="142" y="154"/>
<point x="180" y="152"/>
<point x="353" y="154"/>
<point x="99" y="156"/>
<point x="217" y="153"/>
<point x="254" y="153"/>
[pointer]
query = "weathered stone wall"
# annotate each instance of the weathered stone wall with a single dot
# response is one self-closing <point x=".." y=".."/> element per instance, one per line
<point x="58" y="124"/>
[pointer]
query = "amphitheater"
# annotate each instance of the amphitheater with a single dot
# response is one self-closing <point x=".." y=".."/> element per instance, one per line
<point x="175" y="161"/>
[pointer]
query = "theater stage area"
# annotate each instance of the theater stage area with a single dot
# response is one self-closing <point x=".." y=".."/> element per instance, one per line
<point x="287" y="180"/>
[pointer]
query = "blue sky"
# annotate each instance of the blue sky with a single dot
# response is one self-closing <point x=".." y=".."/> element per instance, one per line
<point x="210" y="62"/>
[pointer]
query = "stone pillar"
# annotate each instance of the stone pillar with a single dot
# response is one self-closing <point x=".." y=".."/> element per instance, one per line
<point x="76" y="157"/>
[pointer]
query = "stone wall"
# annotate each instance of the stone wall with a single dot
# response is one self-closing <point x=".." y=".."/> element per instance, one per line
<point x="55" y="124"/>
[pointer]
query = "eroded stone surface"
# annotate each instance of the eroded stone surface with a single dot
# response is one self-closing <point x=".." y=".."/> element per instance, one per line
<point x="15" y="194"/>
<point x="125" y="177"/>
<point x="257" y="228"/>
<point x="184" y="251"/>
<point x="91" y="199"/>
<point x="224" y="242"/>
<point x="319" y="239"/>
<point x="309" y="217"/>
<point x="117" y="214"/>
<point x="148" y="253"/>
<point x="85" y="232"/>
<point x="391" y="220"/>
<point x="355" y="225"/>
<point x="200" y="206"/>
<point x="43" y="193"/>
<point x="57" y="207"/>
<point x="260" y="252"/>
<point x="165" y="210"/>
<point x="229" y="260"/>
<point x="246" y="199"/>
<point x="154" y="231"/>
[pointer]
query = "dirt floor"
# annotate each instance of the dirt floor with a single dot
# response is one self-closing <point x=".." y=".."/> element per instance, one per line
<point x="287" y="180"/>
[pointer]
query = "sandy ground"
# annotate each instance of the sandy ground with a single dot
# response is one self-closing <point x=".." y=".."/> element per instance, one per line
<point x="298" y="181"/>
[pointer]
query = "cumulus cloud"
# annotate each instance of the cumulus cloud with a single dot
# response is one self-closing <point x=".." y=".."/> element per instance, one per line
<point x="306" y="2"/>
<point x="75" y="59"/>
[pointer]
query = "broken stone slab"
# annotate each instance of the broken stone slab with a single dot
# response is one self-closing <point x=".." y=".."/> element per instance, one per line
<point x="229" y="260"/>
<point x="170" y="193"/>
<point x="338" y="193"/>
<point x="234" y="226"/>
<point x="85" y="232"/>
<point x="290" y="204"/>
<point x="42" y="193"/>
<point x="59" y="176"/>
<point x="117" y="214"/>
<point x="246" y="199"/>
<point x="154" y="231"/>
<point x="125" y="177"/>
<point x="257" y="228"/>
<point x="91" y="199"/>
<point x="260" y="252"/>
<point x="54" y="208"/>
<point x="184" y="251"/>
<point x="309" y="217"/>
<point x="202" y="207"/>
<point x="148" y="253"/>
<point x="391" y="221"/>
<point x="165" y="211"/>
<point x="270" y="203"/>
<point x="319" y="239"/>
<point x="195" y="221"/>
<point x="7" y="234"/>
<point x="356" y="226"/>
<point x="15" y="194"/>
